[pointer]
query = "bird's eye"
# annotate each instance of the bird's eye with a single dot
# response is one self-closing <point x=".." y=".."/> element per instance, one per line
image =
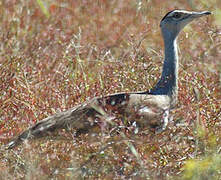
<point x="177" y="15"/>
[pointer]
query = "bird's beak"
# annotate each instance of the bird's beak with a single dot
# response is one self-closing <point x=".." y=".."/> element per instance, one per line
<point x="199" y="14"/>
<point x="191" y="16"/>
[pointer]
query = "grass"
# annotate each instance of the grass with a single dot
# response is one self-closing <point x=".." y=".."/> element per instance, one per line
<point x="57" y="54"/>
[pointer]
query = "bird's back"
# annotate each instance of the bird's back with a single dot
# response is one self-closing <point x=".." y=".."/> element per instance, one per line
<point x="146" y="110"/>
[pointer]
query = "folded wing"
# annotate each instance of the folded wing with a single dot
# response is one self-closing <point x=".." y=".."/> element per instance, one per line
<point x="147" y="110"/>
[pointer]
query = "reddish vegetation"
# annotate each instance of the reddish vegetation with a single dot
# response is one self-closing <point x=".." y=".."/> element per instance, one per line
<point x="56" y="57"/>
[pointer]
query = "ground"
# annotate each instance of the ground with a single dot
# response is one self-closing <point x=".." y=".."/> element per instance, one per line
<point x="57" y="54"/>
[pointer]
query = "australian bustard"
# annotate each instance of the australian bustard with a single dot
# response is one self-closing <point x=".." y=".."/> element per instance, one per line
<point x="149" y="108"/>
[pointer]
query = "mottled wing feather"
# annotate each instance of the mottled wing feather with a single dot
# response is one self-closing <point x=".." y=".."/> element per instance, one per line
<point x="153" y="109"/>
<point x="146" y="110"/>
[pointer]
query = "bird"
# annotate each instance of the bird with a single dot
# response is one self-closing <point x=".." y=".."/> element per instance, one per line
<point x="149" y="108"/>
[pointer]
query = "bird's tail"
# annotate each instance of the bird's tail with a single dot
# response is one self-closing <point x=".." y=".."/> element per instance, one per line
<point x="74" y="117"/>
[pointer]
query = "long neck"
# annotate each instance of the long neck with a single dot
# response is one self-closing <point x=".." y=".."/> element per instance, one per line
<point x="168" y="83"/>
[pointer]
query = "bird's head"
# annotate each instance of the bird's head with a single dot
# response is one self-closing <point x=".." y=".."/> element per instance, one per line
<point x="174" y="21"/>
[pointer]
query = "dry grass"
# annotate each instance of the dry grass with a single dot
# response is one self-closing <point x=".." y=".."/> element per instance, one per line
<point x="56" y="54"/>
